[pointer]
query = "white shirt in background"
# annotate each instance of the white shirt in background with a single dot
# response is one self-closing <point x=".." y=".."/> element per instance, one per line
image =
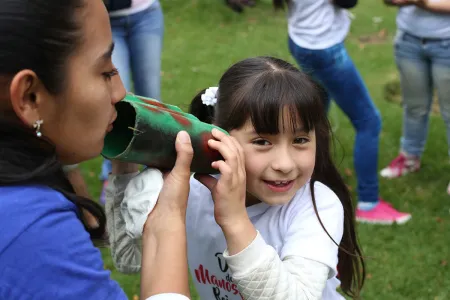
<point x="423" y="23"/>
<point x="136" y="6"/>
<point x="317" y="24"/>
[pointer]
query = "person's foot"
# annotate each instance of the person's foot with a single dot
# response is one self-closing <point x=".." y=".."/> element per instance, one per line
<point x="102" y="195"/>
<point x="383" y="213"/>
<point x="400" y="166"/>
<point x="448" y="189"/>
<point x="235" y="5"/>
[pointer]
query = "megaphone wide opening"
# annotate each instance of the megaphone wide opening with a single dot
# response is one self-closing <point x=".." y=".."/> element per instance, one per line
<point x="117" y="141"/>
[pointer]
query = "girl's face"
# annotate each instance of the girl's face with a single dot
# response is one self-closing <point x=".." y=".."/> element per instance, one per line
<point x="277" y="165"/>
<point x="77" y="120"/>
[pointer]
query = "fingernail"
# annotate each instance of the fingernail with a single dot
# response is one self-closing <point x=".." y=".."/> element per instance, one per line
<point x="183" y="137"/>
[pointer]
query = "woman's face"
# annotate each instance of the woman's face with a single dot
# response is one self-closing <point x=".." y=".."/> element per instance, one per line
<point x="77" y="120"/>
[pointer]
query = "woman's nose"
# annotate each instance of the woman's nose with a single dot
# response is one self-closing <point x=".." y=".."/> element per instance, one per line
<point x="118" y="90"/>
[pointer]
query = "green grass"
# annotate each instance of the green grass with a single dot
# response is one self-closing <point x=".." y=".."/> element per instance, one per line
<point x="203" y="38"/>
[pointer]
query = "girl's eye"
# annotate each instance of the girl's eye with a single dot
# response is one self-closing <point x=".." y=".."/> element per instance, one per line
<point x="110" y="74"/>
<point x="261" y="142"/>
<point x="301" y="141"/>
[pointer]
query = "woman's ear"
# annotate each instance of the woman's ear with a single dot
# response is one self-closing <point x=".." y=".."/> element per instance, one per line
<point x="25" y="96"/>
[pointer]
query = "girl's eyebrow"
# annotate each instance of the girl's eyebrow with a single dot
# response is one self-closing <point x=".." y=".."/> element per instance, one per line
<point x="299" y="129"/>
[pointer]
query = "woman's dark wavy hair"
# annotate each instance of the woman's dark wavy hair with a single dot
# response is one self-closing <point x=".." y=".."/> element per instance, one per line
<point x="260" y="88"/>
<point x="38" y="35"/>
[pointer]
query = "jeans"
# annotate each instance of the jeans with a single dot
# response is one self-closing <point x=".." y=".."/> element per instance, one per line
<point x="335" y="71"/>
<point x="424" y="65"/>
<point x="138" y="42"/>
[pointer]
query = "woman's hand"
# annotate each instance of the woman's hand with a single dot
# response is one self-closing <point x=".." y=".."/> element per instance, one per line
<point x="170" y="209"/>
<point x="229" y="192"/>
<point x="164" y="251"/>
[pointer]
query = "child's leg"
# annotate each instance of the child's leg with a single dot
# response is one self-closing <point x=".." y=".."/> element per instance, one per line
<point x="441" y="79"/>
<point x="145" y="42"/>
<point x="121" y="54"/>
<point x="335" y="70"/>
<point x="106" y="170"/>
<point x="306" y="59"/>
<point x="416" y="84"/>
<point x="350" y="93"/>
<point x="440" y="71"/>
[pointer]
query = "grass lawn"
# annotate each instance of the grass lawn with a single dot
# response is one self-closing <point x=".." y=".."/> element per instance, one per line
<point x="203" y="38"/>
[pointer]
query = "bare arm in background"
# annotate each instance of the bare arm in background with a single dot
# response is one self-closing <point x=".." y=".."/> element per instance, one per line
<point x="437" y="6"/>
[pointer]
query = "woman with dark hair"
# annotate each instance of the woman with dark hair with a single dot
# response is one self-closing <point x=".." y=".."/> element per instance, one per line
<point x="58" y="92"/>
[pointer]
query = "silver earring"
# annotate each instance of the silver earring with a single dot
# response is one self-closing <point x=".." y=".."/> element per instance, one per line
<point x="37" y="125"/>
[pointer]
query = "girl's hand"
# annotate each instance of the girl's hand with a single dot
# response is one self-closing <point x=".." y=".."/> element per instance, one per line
<point x="229" y="193"/>
<point x="230" y="190"/>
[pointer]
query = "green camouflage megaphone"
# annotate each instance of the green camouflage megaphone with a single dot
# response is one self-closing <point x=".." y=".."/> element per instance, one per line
<point x="145" y="131"/>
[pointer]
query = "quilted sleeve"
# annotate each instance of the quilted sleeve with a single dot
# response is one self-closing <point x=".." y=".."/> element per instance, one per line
<point x="125" y="251"/>
<point x="259" y="273"/>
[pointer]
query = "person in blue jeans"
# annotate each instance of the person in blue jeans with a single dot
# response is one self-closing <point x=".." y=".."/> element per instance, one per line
<point x="422" y="54"/>
<point x="138" y="29"/>
<point x="317" y="30"/>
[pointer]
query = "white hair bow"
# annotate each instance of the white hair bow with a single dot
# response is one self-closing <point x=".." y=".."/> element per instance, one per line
<point x="209" y="97"/>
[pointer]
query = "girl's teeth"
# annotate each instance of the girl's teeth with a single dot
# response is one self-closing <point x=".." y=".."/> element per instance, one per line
<point x="280" y="182"/>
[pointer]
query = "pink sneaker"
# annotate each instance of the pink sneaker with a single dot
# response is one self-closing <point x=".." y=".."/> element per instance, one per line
<point x="401" y="165"/>
<point x="383" y="213"/>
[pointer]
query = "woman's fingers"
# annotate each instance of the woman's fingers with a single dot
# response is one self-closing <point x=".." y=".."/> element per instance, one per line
<point x="176" y="183"/>
<point x="185" y="153"/>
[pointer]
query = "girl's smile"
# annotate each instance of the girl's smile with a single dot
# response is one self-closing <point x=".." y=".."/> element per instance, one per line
<point x="279" y="186"/>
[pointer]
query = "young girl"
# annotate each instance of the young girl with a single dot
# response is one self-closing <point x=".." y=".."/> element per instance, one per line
<point x="279" y="206"/>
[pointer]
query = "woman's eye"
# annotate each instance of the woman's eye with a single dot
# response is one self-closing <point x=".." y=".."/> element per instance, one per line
<point x="110" y="74"/>
<point x="301" y="141"/>
<point x="261" y="142"/>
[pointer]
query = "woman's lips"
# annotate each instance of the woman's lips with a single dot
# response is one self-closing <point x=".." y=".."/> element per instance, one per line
<point x="110" y="126"/>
